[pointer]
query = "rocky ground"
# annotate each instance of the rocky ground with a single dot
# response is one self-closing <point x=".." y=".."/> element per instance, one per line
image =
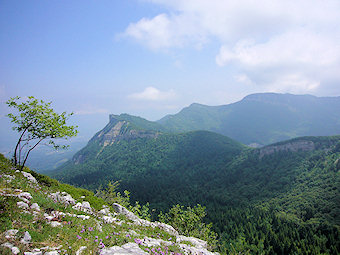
<point x="38" y="217"/>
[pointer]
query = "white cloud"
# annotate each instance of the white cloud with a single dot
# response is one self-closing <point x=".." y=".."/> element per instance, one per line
<point x="153" y="94"/>
<point x="275" y="42"/>
<point x="298" y="47"/>
<point x="165" y="31"/>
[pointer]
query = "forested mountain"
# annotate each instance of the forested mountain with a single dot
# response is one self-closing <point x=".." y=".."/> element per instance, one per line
<point x="279" y="199"/>
<point x="262" y="118"/>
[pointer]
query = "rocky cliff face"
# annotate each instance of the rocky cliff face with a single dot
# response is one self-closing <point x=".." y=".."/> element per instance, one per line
<point x="293" y="146"/>
<point x="118" y="129"/>
<point x="121" y="130"/>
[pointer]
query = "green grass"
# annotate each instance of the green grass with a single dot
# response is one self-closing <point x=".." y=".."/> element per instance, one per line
<point x="74" y="232"/>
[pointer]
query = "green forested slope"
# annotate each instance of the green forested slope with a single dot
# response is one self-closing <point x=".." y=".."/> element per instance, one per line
<point x="283" y="202"/>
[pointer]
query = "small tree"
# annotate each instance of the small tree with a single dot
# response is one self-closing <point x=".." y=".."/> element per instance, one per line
<point x="36" y="122"/>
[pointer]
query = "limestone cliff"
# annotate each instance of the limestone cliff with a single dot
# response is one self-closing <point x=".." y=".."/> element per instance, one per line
<point x="293" y="146"/>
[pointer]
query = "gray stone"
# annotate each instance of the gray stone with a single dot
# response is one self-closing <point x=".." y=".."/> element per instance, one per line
<point x="104" y="211"/>
<point x="55" y="224"/>
<point x="84" y="207"/>
<point x="151" y="242"/>
<point x="83" y="217"/>
<point x="33" y="253"/>
<point x="9" y="234"/>
<point x="51" y="253"/>
<point x="62" y="197"/>
<point x="8" y="178"/>
<point x="14" y="249"/>
<point x="26" y="239"/>
<point x="126" y="249"/>
<point x="29" y="177"/>
<point x="198" y="243"/>
<point x="22" y="205"/>
<point x="108" y="219"/>
<point x="122" y="210"/>
<point x="80" y="250"/>
<point x="35" y="207"/>
<point x="25" y="195"/>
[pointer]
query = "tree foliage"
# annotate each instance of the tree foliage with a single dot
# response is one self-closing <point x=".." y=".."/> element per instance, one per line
<point x="37" y="123"/>
<point x="190" y="222"/>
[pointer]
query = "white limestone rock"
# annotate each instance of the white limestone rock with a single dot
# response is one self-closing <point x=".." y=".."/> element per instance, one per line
<point x="198" y="243"/>
<point x="33" y="253"/>
<point x="80" y="250"/>
<point x="29" y="177"/>
<point x="25" y="195"/>
<point x="52" y="253"/>
<point x="151" y="242"/>
<point x="108" y="219"/>
<point x="11" y="233"/>
<point x="84" y="207"/>
<point x="83" y="217"/>
<point x="8" y="178"/>
<point x="126" y="249"/>
<point x="27" y="238"/>
<point x="35" y="207"/>
<point x="14" y="249"/>
<point x="55" y="224"/>
<point x="122" y="210"/>
<point x="22" y="205"/>
<point x="63" y="197"/>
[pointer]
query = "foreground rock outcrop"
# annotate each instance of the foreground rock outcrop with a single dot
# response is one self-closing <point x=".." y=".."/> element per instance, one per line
<point x="43" y="220"/>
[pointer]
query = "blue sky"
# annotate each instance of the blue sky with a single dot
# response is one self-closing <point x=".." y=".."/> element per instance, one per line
<point x="154" y="57"/>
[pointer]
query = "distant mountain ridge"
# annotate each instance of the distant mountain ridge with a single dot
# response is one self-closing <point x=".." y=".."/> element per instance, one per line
<point x="262" y="118"/>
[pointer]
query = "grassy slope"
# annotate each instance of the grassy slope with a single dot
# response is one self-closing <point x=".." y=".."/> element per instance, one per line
<point x="74" y="232"/>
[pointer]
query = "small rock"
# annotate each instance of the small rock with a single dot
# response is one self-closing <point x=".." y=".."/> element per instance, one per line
<point x="14" y="250"/>
<point x="80" y="250"/>
<point x="51" y="253"/>
<point x="83" y="217"/>
<point x="26" y="239"/>
<point x="33" y="253"/>
<point x="126" y="249"/>
<point x="22" y="205"/>
<point x="104" y="211"/>
<point x="198" y="243"/>
<point x="82" y="197"/>
<point x="108" y="219"/>
<point x="29" y="177"/>
<point x="35" y="207"/>
<point x="48" y="217"/>
<point x="55" y="224"/>
<point x="84" y="207"/>
<point x="63" y="198"/>
<point x="9" y="234"/>
<point x="25" y="195"/>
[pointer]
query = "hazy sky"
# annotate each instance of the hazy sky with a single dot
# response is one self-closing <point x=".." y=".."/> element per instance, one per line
<point x="153" y="57"/>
